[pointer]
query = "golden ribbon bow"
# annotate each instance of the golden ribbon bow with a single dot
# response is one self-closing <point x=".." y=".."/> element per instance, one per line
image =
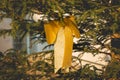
<point x="62" y="38"/>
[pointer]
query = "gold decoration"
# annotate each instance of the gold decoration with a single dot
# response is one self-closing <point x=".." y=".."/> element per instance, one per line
<point x="62" y="37"/>
<point x="51" y="30"/>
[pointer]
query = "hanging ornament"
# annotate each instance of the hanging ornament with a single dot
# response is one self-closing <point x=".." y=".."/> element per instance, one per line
<point x="62" y="37"/>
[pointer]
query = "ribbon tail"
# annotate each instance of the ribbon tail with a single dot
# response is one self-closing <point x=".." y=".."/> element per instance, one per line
<point x="68" y="48"/>
<point x="59" y="48"/>
<point x="63" y="49"/>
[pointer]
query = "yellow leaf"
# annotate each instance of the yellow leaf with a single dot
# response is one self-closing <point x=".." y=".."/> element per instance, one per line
<point x="51" y="30"/>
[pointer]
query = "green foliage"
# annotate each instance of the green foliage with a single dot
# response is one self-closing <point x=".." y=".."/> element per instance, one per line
<point x="113" y="70"/>
<point x="12" y="65"/>
<point x="16" y="65"/>
<point x="104" y="15"/>
<point x="98" y="16"/>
